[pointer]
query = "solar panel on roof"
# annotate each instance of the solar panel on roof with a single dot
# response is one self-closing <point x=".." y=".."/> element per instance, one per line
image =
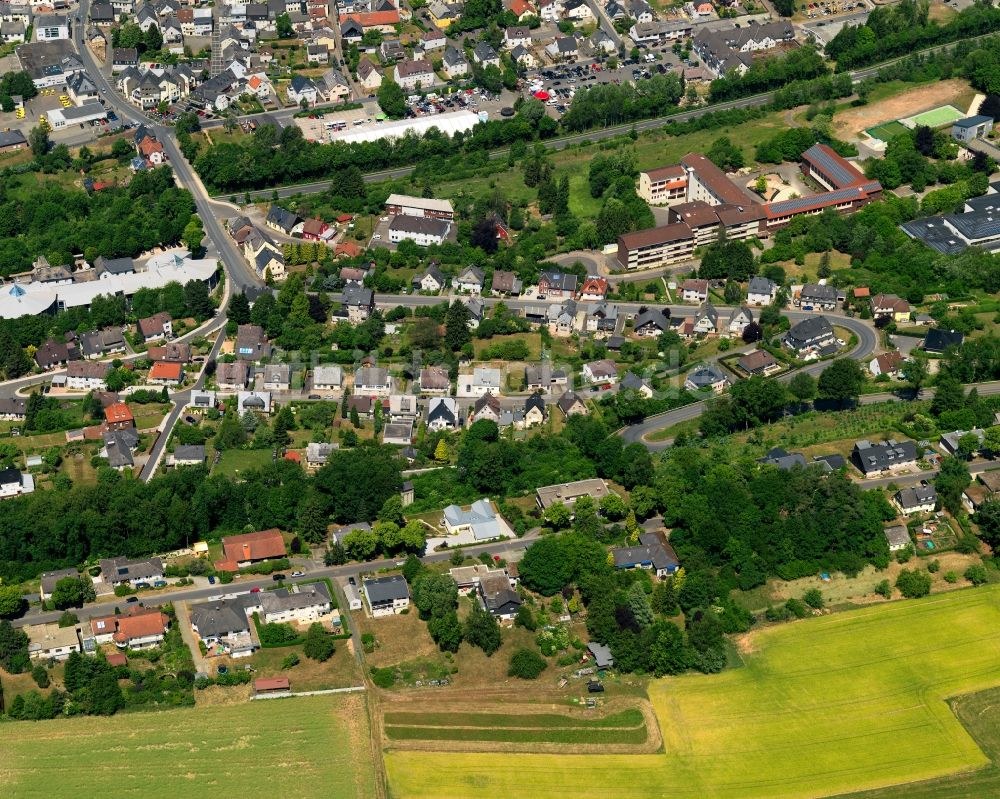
<point x="832" y="166"/>
<point x="797" y="204"/>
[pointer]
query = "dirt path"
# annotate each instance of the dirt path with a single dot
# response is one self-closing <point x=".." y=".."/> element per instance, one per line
<point x="853" y="122"/>
<point x="184" y="623"/>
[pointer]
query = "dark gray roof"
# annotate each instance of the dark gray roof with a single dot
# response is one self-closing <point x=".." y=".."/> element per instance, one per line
<point x="938" y="340"/>
<point x="649" y="551"/>
<point x="284" y="219"/>
<point x="284" y="600"/>
<point x="916" y="496"/>
<point x="784" y="460"/>
<point x="419" y="224"/>
<point x="386" y="589"/>
<point x="811" y="329"/>
<point x="358" y="295"/>
<point x="189" y="452"/>
<point x="122" y="569"/>
<point x="876" y="457"/>
<point x="220" y="618"/>
<point x="814" y="291"/>
<point x="654" y="317"/>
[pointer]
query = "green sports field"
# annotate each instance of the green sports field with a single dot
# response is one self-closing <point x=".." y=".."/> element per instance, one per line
<point x="834" y="704"/>
<point x="305" y="747"/>
<point x="936" y="117"/>
<point x="887" y="131"/>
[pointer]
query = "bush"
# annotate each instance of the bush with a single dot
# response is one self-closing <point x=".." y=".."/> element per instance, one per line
<point x="814" y="598"/>
<point x="934" y="566"/>
<point x="290" y="661"/>
<point x="951" y="577"/>
<point x="68" y="619"/>
<point x="384" y="678"/>
<point x="276" y="634"/>
<point x="976" y="574"/>
<point x="780" y="613"/>
<point x="318" y="646"/>
<point x="884" y="589"/>
<point x="40" y="676"/>
<point x="797" y="608"/>
<point x="526" y="664"/>
<point x="904" y="555"/>
<point x="913" y="583"/>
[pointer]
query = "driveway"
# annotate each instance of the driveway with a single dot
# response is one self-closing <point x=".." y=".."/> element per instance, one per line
<point x="184" y="622"/>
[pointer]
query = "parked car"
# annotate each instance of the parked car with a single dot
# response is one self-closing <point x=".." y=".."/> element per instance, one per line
<point x="255" y="590"/>
<point x="132" y="600"/>
<point x="297" y="574"/>
<point x="211" y="579"/>
<point x="278" y="577"/>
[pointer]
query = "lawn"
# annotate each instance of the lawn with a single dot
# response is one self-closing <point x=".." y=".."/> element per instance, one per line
<point x="852" y="701"/>
<point x="305" y="747"/>
<point x="340" y="671"/>
<point x="234" y="461"/>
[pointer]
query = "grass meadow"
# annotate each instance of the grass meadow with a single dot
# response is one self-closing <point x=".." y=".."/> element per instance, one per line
<point x="305" y="747"/>
<point x="846" y="702"/>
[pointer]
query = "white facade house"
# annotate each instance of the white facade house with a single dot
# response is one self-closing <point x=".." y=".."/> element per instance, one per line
<point x="482" y="380"/>
<point x="386" y="596"/>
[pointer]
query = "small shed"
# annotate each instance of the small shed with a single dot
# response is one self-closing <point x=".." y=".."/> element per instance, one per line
<point x="603" y="658"/>
<point x="271" y="685"/>
<point x="897" y="536"/>
<point x="117" y="659"/>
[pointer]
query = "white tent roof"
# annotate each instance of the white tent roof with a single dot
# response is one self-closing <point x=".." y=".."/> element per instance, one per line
<point x="449" y="123"/>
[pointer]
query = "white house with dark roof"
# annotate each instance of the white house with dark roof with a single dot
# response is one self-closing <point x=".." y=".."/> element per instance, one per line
<point x="386" y="596"/>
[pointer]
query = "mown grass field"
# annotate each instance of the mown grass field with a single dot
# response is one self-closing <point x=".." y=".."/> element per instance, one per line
<point x="305" y="747"/>
<point x="848" y="702"/>
<point x="626" y="727"/>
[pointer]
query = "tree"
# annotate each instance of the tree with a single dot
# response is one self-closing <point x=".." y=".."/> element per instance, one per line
<point x="14" y="361"/>
<point x="72" y="592"/>
<point x="915" y="372"/>
<point x="434" y="594"/>
<point x="557" y="515"/>
<point x="613" y="507"/>
<point x="545" y="567"/>
<point x="13" y="648"/>
<point x="803" y="387"/>
<point x="638" y="603"/>
<point x="105" y="694"/>
<point x="976" y="574"/>
<point x="913" y="583"/>
<point x="284" y="26"/>
<point x="841" y="381"/>
<point x="456" y="324"/>
<point x="526" y="664"/>
<point x="663" y="645"/>
<point x="884" y="589"/>
<point x="441" y="453"/>
<point x="482" y="629"/>
<point x="68" y="619"/>
<point x="725" y="155"/>
<point x="38" y="139"/>
<point x="318" y="645"/>
<point x="952" y="479"/>
<point x="484" y="235"/>
<point x="813" y="598"/>
<point x="391" y="99"/>
<point x="361" y="544"/>
<point x="11" y="600"/>
<point x="752" y="333"/>
<point x="968" y="445"/>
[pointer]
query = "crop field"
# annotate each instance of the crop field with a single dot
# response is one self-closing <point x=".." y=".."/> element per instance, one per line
<point x="305" y="747"/>
<point x="625" y="727"/>
<point x="846" y="702"/>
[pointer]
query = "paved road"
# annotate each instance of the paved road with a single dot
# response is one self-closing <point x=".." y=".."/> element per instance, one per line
<point x="909" y="479"/>
<point x="153" y="599"/>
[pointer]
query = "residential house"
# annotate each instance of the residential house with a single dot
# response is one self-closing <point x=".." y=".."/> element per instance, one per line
<point x="327" y="379"/>
<point x="434" y="380"/>
<point x="302" y="90"/>
<point x="357" y="303"/>
<point x="938" y="341"/>
<point x="318" y="454"/>
<point x="232" y="376"/>
<point x="813" y="335"/>
<point x="422" y="231"/>
<point x="201" y="400"/>
<point x="485" y="56"/>
<point x="98" y="343"/>
<point x="239" y="551"/>
<point x="602" y="318"/>
<point x="917" y="499"/>
<point x="398" y="433"/>
<point x="651" y="552"/>
<point x="571" y="404"/>
<point x="889" y="305"/>
<point x="432" y="280"/>
<point x="139" y="628"/>
<point x="550" y="10"/>
<point x="224" y="624"/>
<point x="949" y="442"/>
<point x="372" y="381"/>
<point x="470" y="280"/>
<point x="283" y="220"/>
<point x="14" y="482"/>
<point x="454" y="63"/>
<point x="301" y="604"/>
<point x="165" y="373"/>
<point x="13" y="409"/>
<point x="552" y="283"/>
<point x="251" y="343"/>
<point x="814" y="296"/>
<point x="535" y="412"/>
<point x="482" y="380"/>
<point x="476" y="311"/>
<point x="888" y="363"/>
<point x="577" y="10"/>
<point x="86" y="375"/>
<point x="652" y="322"/>
<point x="254" y="401"/>
<point x="761" y="291"/>
<point x="413" y="75"/>
<point x="317" y="54"/>
<point x="888" y="456"/>
<point x="481" y="520"/>
<point x="52" y="642"/>
<point x="708" y="376"/>
<point x="443" y="414"/>
<point x="386" y="595"/>
<point x="403" y="408"/>
<point x="742" y="318"/>
<point x="632" y="381"/>
<point x="188" y="455"/>
<point x="119" y="447"/>
<point x="693" y="290"/>
<point x="505" y="283"/>
<point x="519" y="36"/>
<point x="486" y="407"/>
<point x="603" y="371"/>
<point x="277" y="377"/>
<point x="51" y="27"/>
<point x="561" y="318"/>
<point x="971" y="128"/>
<point x="117" y="416"/>
<point x="594" y="289"/>
<point x="897" y="536"/>
<point x="542" y="377"/>
<point x="433" y="40"/>
<point x="497" y="595"/>
<point x="706" y="320"/>
<point x="49" y="581"/>
<point x="156" y="327"/>
<point x="314" y="229"/>
<point x="55" y="353"/>
<point x="122" y="571"/>
<point x="368" y="76"/>
<point x="569" y="493"/>
<point x="758" y="362"/>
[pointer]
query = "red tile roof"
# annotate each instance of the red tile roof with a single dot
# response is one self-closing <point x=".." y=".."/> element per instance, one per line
<point x="261" y="545"/>
<point x="349" y="248"/>
<point x="116" y="659"/>
<point x="164" y="370"/>
<point x="118" y="412"/>
<point x="371" y="19"/>
<point x="271" y="684"/>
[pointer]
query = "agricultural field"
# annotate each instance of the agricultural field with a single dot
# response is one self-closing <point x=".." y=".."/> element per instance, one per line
<point x="306" y="747"/>
<point x="845" y="702"/>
